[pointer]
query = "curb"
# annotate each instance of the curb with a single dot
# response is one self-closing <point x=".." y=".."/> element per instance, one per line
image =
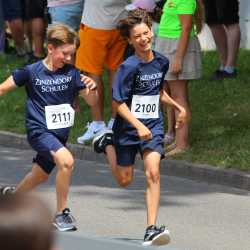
<point x="199" y="172"/>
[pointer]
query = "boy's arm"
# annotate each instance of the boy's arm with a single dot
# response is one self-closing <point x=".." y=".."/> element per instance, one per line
<point x="7" y="85"/>
<point x="143" y="132"/>
<point x="182" y="117"/>
<point x="89" y="94"/>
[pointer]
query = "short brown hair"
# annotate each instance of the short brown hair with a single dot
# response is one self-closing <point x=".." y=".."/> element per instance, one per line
<point x="135" y="17"/>
<point x="60" y="34"/>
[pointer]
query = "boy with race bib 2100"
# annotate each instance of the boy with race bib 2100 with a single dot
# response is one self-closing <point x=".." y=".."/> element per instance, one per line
<point x="52" y="85"/>
<point x="137" y="94"/>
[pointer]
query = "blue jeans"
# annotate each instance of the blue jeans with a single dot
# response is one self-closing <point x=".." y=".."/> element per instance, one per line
<point x="70" y="14"/>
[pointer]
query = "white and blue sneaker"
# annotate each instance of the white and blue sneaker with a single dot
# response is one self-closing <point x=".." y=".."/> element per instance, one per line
<point x="156" y="236"/>
<point x="93" y="129"/>
<point x="65" y="221"/>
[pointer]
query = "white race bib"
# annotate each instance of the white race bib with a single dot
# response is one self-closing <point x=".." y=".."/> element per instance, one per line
<point x="59" y="116"/>
<point x="145" y="107"/>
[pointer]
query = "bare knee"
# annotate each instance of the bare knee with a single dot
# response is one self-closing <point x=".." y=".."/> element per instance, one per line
<point x="153" y="176"/>
<point x="68" y="165"/>
<point x="124" y="180"/>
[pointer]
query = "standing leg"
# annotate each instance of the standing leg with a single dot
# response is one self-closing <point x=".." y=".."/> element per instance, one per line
<point x="220" y="38"/>
<point x="64" y="162"/>
<point x="170" y="135"/>
<point x="233" y="41"/>
<point x="154" y="235"/>
<point x="152" y="171"/>
<point x="179" y="92"/>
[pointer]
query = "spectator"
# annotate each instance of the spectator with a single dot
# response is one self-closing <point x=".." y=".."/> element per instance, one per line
<point x="35" y="17"/>
<point x="177" y="40"/>
<point x="14" y="13"/>
<point x="222" y="16"/>
<point x="2" y="29"/>
<point x="25" y="223"/>
<point x="101" y="45"/>
<point x="68" y="12"/>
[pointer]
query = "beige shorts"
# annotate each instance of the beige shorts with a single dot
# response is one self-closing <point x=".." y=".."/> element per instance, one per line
<point x="192" y="65"/>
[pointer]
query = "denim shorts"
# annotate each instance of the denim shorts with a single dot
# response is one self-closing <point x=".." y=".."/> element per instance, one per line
<point x="70" y="14"/>
<point x="126" y="154"/>
<point x="43" y="144"/>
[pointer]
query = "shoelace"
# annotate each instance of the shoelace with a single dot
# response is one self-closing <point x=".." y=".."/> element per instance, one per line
<point x="68" y="218"/>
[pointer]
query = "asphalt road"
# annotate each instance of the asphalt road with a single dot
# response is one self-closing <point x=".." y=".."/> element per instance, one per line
<point x="200" y="216"/>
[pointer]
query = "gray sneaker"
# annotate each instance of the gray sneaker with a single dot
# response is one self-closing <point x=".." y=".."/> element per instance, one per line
<point x="5" y="190"/>
<point x="65" y="221"/>
<point x="156" y="236"/>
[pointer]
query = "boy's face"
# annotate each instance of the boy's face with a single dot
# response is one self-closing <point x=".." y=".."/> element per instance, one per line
<point x="61" y="55"/>
<point x="141" y="38"/>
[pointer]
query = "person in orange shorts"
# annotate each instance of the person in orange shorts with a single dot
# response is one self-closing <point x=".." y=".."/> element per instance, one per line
<point x="101" y="46"/>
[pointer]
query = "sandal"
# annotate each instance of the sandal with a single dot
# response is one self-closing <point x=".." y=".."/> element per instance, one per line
<point x="176" y="151"/>
<point x="168" y="139"/>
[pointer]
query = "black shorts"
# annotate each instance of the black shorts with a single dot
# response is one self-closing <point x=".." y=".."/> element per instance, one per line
<point x="221" y="11"/>
<point x="43" y="144"/>
<point x="34" y="9"/>
<point x="13" y="9"/>
<point x="126" y="154"/>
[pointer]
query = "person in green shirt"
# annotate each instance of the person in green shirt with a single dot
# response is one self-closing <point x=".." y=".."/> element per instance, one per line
<point x="177" y="40"/>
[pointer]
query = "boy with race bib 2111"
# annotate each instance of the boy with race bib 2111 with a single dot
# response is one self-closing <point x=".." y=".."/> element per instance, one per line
<point x="51" y="85"/>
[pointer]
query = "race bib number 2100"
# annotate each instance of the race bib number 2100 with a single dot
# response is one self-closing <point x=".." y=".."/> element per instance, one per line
<point x="145" y="107"/>
<point x="59" y="116"/>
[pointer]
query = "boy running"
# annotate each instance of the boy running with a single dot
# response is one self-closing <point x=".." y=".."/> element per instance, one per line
<point x="51" y="85"/>
<point x="138" y="127"/>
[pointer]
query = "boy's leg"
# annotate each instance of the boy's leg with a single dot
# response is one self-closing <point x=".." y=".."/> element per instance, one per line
<point x="64" y="162"/>
<point x="36" y="176"/>
<point x="121" y="159"/>
<point x="154" y="235"/>
<point x="122" y="174"/>
<point x="152" y="171"/>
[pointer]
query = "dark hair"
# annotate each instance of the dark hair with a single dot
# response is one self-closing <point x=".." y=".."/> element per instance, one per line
<point x="199" y="16"/>
<point x="135" y="17"/>
<point x="25" y="223"/>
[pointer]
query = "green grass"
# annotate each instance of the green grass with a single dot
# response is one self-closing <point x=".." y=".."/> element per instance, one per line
<point x="220" y="126"/>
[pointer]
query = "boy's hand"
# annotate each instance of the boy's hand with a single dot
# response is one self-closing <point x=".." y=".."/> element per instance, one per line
<point x="90" y="83"/>
<point x="144" y="133"/>
<point x="181" y="119"/>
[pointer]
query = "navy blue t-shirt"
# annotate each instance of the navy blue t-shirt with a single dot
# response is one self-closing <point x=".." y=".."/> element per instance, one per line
<point x="45" y="88"/>
<point x="135" y="77"/>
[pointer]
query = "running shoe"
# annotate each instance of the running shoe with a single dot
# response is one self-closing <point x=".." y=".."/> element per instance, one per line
<point x="65" y="221"/>
<point x="103" y="139"/>
<point x="92" y="129"/>
<point x="7" y="190"/>
<point x="156" y="236"/>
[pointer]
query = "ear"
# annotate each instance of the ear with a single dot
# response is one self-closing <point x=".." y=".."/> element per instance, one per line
<point x="50" y="48"/>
